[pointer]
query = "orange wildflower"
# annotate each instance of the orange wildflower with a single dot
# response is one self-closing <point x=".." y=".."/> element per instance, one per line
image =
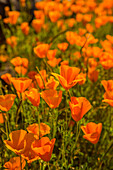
<point x="54" y="15"/>
<point x="34" y="128"/>
<point x="92" y="132"/>
<point x="52" y="83"/>
<point x="6" y="101"/>
<point x="7" y="78"/>
<point x="2" y="117"/>
<point x="93" y="74"/>
<point x="51" y="54"/>
<point x="71" y="22"/>
<point x="33" y="96"/>
<point x="7" y="9"/>
<point x="16" y="142"/>
<point x="106" y="60"/>
<point x="39" y="78"/>
<point x="79" y="107"/>
<point x="108" y="95"/>
<point x="71" y="37"/>
<point x="22" y="2"/>
<point x="15" y="163"/>
<point x="41" y="50"/>
<point x="62" y="46"/>
<point x="52" y="97"/>
<point x="67" y="77"/>
<point x="39" y="15"/>
<point x="32" y="74"/>
<point x="44" y="148"/>
<point x="81" y="76"/>
<point x="11" y="41"/>
<point x="21" y="70"/>
<point x="13" y="16"/>
<point x="25" y="28"/>
<point x="27" y="152"/>
<point x="110" y="38"/>
<point x="79" y="17"/>
<point x="89" y="28"/>
<point x="54" y="62"/>
<point x="18" y="61"/>
<point x="21" y="84"/>
<point x="65" y="62"/>
<point x="82" y="31"/>
<point x="3" y="58"/>
<point x="37" y="24"/>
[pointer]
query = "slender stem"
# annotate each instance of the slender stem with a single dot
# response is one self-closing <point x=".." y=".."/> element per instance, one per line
<point x="41" y="77"/>
<point x="38" y="121"/>
<point x="17" y="111"/>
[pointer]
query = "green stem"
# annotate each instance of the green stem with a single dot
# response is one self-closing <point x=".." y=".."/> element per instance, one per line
<point x="41" y="77"/>
<point x="38" y="121"/>
<point x="17" y="111"/>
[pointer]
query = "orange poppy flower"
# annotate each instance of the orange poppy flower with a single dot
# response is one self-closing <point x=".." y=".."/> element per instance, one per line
<point x="67" y="77"/>
<point x="79" y="107"/>
<point x="25" y="28"/>
<point x="16" y="142"/>
<point x="51" y="83"/>
<point x="39" y="78"/>
<point x="7" y="78"/>
<point x="54" y="62"/>
<point x="54" y="15"/>
<point x="52" y="97"/>
<point x="65" y="62"/>
<point x="106" y="60"/>
<point x="108" y="95"/>
<point x="41" y="50"/>
<point x="32" y="74"/>
<point x="33" y="96"/>
<point x="3" y="58"/>
<point x="82" y="31"/>
<point x="40" y="4"/>
<point x="2" y="117"/>
<point x="62" y="46"/>
<point x="89" y="28"/>
<point x="21" y="70"/>
<point x="23" y="3"/>
<point x="27" y="152"/>
<point x="79" y="17"/>
<point x="37" y="24"/>
<point x="93" y="74"/>
<point x="21" y="84"/>
<point x="81" y="76"/>
<point x="15" y="163"/>
<point x="71" y="22"/>
<point x="7" y="9"/>
<point x="51" y="54"/>
<point x="12" y="41"/>
<point x="71" y="37"/>
<point x="92" y="132"/>
<point x="44" y="148"/>
<point x="25" y="62"/>
<point x="34" y="128"/>
<point x="110" y="38"/>
<point x="6" y="101"/>
<point x="39" y="15"/>
<point x="13" y="16"/>
<point x="18" y="61"/>
<point x="96" y="51"/>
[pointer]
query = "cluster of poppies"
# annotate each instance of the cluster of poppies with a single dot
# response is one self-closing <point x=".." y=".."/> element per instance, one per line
<point x="49" y="59"/>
